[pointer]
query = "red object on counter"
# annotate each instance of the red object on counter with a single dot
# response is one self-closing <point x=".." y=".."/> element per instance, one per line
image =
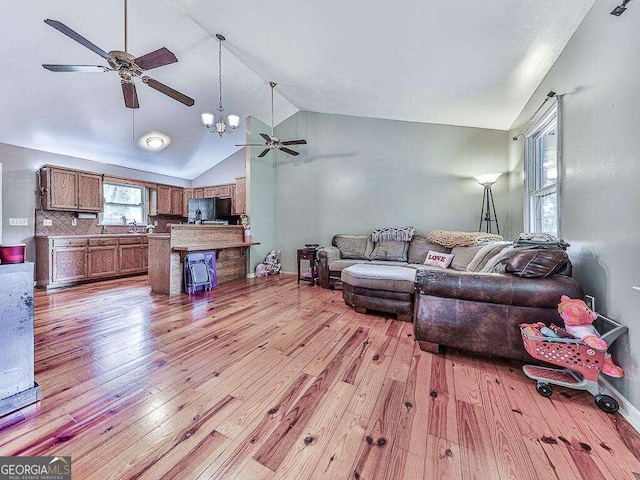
<point x="12" y="253"/>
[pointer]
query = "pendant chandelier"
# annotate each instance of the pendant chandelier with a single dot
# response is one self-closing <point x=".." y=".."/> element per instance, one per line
<point x="217" y="124"/>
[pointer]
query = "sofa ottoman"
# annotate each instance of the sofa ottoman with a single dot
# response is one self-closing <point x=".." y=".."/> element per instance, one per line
<point x="383" y="288"/>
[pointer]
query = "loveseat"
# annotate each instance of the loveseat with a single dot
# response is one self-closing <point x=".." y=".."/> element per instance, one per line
<point x="476" y="304"/>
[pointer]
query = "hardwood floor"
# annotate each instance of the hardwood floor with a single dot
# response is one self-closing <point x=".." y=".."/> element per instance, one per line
<point x="262" y="379"/>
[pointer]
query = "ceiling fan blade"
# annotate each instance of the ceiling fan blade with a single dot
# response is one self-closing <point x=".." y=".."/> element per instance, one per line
<point x="264" y="152"/>
<point x="289" y="151"/>
<point x="266" y="137"/>
<point x="170" y="92"/>
<point x="62" y="28"/>
<point x="294" y="142"/>
<point x="76" y="68"/>
<point x="249" y="145"/>
<point x="130" y="95"/>
<point x="158" y="58"/>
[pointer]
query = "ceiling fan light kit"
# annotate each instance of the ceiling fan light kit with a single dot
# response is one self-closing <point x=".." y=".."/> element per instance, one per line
<point x="126" y="65"/>
<point x="218" y="124"/>
<point x="271" y="142"/>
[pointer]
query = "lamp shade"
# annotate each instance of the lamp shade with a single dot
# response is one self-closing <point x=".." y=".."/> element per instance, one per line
<point x="207" y="119"/>
<point x="487" y="178"/>
<point x="233" y="120"/>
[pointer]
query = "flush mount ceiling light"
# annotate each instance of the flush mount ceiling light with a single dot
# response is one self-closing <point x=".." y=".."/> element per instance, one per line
<point x="154" y="141"/>
<point x="209" y="120"/>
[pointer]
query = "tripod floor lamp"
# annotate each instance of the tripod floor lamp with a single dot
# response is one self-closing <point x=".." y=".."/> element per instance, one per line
<point x="488" y="212"/>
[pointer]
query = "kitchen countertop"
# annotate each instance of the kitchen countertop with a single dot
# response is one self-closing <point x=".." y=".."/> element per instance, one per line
<point x="100" y="235"/>
<point x="201" y="225"/>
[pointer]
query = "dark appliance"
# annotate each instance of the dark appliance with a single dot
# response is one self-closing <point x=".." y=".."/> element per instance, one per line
<point x="207" y="209"/>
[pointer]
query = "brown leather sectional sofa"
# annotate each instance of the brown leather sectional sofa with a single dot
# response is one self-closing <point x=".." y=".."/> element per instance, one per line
<point x="475" y="311"/>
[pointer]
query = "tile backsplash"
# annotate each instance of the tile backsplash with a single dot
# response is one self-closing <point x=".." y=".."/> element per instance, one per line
<point x="62" y="224"/>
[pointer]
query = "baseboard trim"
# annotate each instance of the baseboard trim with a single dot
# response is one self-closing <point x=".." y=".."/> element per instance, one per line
<point x="627" y="409"/>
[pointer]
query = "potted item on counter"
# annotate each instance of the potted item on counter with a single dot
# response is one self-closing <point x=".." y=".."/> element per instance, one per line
<point x="12" y="253"/>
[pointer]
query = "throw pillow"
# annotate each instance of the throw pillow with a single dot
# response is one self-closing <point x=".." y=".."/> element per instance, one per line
<point x="462" y="256"/>
<point x="536" y="263"/>
<point x="354" y="246"/>
<point x="437" y="259"/>
<point x="420" y="246"/>
<point x="486" y="253"/>
<point x="395" y="251"/>
<point x="392" y="234"/>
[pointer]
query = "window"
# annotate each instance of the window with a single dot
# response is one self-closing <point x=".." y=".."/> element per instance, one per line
<point x="123" y="201"/>
<point x="542" y="167"/>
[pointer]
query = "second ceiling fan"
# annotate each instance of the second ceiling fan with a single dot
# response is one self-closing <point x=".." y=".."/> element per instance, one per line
<point x="271" y="142"/>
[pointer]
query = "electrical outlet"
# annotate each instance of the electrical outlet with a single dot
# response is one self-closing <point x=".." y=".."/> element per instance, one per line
<point x="591" y="302"/>
<point x="155" y="223"/>
<point x="18" y="222"/>
<point x="74" y="222"/>
<point x="47" y="222"/>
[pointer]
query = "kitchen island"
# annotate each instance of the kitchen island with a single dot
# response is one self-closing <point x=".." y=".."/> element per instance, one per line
<point x="167" y="253"/>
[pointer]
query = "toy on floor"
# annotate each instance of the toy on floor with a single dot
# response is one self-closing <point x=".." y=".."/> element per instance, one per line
<point x="270" y="266"/>
<point x="578" y="319"/>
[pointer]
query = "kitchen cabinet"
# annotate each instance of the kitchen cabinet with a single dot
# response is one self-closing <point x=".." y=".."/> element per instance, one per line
<point x="198" y="193"/>
<point x="63" y="261"/>
<point x="164" y="200"/>
<point x="102" y="261"/>
<point x="90" y="192"/>
<point x="133" y="258"/>
<point x="70" y="190"/>
<point x="239" y="202"/>
<point x="169" y="200"/>
<point x="177" y="203"/>
<point x="69" y="263"/>
<point x="222" y="191"/>
<point x="186" y="196"/>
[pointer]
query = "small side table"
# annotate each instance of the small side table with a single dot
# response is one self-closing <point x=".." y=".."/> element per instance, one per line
<point x="308" y="254"/>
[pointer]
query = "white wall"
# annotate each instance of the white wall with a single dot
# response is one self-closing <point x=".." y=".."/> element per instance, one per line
<point x="19" y="192"/>
<point x="224" y="172"/>
<point x="357" y="174"/>
<point x="599" y="73"/>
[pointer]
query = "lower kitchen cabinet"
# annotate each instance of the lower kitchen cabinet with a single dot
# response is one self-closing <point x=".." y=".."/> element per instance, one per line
<point x="68" y="264"/>
<point x="102" y="261"/>
<point x="64" y="261"/>
<point x="133" y="258"/>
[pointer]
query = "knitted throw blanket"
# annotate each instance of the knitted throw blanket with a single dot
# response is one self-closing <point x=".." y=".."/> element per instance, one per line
<point x="461" y="239"/>
<point x="392" y="234"/>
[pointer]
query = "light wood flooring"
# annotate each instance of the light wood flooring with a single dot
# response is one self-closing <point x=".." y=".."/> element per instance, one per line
<point x="262" y="379"/>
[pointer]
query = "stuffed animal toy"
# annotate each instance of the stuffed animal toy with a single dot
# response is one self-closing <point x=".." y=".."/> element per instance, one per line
<point x="578" y="319"/>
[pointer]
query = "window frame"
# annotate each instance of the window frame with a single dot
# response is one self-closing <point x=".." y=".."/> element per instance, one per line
<point x="143" y="203"/>
<point x="532" y="166"/>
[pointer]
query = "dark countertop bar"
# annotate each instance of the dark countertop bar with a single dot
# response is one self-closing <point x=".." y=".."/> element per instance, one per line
<point x="213" y="246"/>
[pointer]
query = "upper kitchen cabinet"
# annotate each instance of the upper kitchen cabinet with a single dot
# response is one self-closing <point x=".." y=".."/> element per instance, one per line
<point x="170" y="201"/>
<point x="70" y="190"/>
<point x="240" y="196"/>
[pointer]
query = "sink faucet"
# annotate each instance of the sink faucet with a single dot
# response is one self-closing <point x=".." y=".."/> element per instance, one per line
<point x="135" y="226"/>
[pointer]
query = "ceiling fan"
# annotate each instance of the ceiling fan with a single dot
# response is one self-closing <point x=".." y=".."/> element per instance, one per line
<point x="126" y="65"/>
<point x="272" y="142"/>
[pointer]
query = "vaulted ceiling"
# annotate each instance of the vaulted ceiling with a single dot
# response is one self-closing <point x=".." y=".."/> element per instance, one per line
<point x="460" y="63"/>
